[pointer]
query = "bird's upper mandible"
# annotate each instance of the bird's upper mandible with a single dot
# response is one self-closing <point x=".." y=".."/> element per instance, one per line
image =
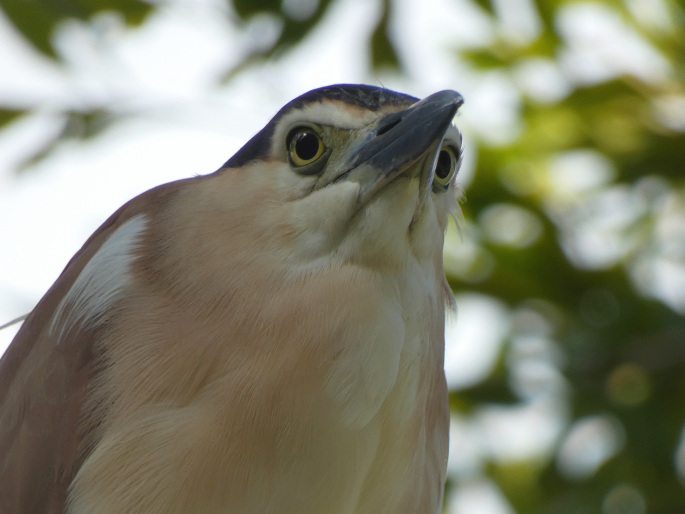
<point x="267" y="338"/>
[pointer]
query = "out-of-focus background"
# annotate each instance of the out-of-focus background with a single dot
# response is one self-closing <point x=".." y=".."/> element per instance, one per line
<point x="566" y="359"/>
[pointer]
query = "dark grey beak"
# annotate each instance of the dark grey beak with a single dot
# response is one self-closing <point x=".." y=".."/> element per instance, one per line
<point x="394" y="143"/>
<point x="402" y="137"/>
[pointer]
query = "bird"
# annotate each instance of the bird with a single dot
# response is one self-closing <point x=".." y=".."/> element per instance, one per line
<point x="267" y="338"/>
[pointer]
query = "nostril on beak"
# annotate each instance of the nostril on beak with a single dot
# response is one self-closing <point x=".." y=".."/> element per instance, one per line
<point x="387" y="126"/>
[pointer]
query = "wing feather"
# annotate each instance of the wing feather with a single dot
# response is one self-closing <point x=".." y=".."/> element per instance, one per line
<point x="46" y="371"/>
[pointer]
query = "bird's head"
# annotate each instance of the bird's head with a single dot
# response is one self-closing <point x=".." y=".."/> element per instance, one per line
<point x="347" y="172"/>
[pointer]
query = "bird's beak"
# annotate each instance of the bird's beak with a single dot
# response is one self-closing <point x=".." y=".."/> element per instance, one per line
<point x="392" y="145"/>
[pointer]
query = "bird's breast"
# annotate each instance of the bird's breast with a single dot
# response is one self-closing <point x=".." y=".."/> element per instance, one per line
<point x="320" y="382"/>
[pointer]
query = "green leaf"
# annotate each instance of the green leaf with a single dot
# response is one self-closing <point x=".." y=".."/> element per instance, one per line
<point x="383" y="53"/>
<point x="7" y="116"/>
<point x="486" y="5"/>
<point x="77" y="125"/>
<point x="248" y="8"/>
<point x="484" y="58"/>
<point x="36" y="20"/>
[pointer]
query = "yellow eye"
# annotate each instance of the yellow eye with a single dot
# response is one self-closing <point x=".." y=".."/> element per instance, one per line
<point x="446" y="166"/>
<point x="304" y="146"/>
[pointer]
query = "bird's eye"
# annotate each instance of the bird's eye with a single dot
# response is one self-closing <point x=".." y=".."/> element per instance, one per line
<point x="304" y="146"/>
<point x="446" y="166"/>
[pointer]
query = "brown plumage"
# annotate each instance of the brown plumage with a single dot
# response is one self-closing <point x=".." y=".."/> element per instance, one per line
<point x="264" y="339"/>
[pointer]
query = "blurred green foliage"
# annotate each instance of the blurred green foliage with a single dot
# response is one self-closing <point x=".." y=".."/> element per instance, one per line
<point x="38" y="19"/>
<point x="622" y="350"/>
<point x="619" y="345"/>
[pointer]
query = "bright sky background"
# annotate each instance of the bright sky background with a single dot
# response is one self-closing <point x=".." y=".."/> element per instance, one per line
<point x="190" y="127"/>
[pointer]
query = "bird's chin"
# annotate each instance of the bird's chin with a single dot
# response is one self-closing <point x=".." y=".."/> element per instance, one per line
<point x="374" y="182"/>
<point x="418" y="172"/>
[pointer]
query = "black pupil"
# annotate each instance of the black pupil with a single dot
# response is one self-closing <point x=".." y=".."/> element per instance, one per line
<point x="306" y="145"/>
<point x="442" y="169"/>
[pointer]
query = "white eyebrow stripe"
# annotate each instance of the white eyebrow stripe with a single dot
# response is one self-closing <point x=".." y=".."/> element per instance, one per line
<point x="337" y="114"/>
<point x="101" y="280"/>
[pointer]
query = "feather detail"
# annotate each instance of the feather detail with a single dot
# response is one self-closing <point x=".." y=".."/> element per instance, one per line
<point x="101" y="280"/>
